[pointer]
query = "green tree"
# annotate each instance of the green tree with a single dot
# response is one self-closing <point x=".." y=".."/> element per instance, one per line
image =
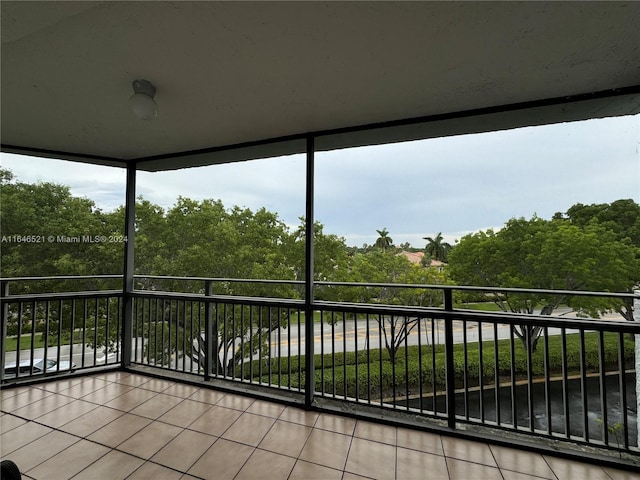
<point x="46" y="231"/>
<point x="330" y="253"/>
<point x="43" y="229"/>
<point x="422" y="297"/>
<point x="205" y="239"/>
<point x="437" y="248"/>
<point x="621" y="217"/>
<point x="380" y="267"/>
<point x="384" y="241"/>
<point x="554" y="255"/>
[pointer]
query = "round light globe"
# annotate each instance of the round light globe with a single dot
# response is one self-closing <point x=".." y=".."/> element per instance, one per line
<point x="143" y="106"/>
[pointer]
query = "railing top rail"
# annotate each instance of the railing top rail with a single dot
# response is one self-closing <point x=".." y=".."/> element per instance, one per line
<point x="481" y="289"/>
<point x="35" y="297"/>
<point x="59" y="277"/>
<point x="468" y="288"/>
<point x="284" y="302"/>
<point x="221" y="279"/>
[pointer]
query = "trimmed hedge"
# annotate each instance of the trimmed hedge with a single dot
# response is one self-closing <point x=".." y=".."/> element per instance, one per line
<point x="341" y="373"/>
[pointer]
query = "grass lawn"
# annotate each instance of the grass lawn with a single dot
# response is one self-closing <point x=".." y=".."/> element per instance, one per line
<point x="11" y="343"/>
<point x="482" y="306"/>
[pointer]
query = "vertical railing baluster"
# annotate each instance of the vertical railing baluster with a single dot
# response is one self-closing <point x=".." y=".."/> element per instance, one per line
<point x="322" y="364"/>
<point x="392" y="341"/>
<point x="269" y="346"/>
<point x="260" y="342"/>
<point x="530" y="405"/>
<point x="47" y="312"/>
<point x="289" y="328"/>
<point x="173" y="307"/>
<point x="496" y="371"/>
<point x="118" y="329"/>
<point x="19" y="339"/>
<point x="33" y="328"/>
<point x="481" y="372"/>
<point x="179" y="321"/>
<point x="138" y="346"/>
<point x="434" y="368"/>
<point x="622" y="385"/>
<point x="159" y="324"/>
<point x="547" y="383"/>
<point x="4" y="296"/>
<point x="85" y="314"/>
<point x="406" y="361"/>
<point x="380" y="333"/>
<point x="604" y="414"/>
<point x="420" y="374"/>
<point x="95" y="330"/>
<point x="166" y="351"/>
<point x="368" y="350"/>
<point x="333" y="354"/>
<point x="344" y="356"/>
<point x="194" y="311"/>
<point x="201" y="322"/>
<point x="72" y="329"/>
<point x="465" y="373"/>
<point x="250" y="326"/>
<point x="59" y="339"/>
<point x="153" y="318"/>
<point x="300" y="338"/>
<point x="151" y="337"/>
<point x="583" y="387"/>
<point x="565" y="383"/>
<point x="225" y="340"/>
<point x="174" y="318"/>
<point x="231" y="362"/>
<point x="181" y="338"/>
<point x="356" y="359"/>
<point x="513" y="377"/>
<point x="450" y="366"/>
<point x="279" y="346"/>
<point x="208" y="332"/>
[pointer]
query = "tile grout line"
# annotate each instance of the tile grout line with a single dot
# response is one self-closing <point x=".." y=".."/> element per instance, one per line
<point x="80" y="438"/>
<point x="493" y="455"/>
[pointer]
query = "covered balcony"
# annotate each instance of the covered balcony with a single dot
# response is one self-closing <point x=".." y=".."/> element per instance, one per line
<point x="126" y="425"/>
<point x="142" y="375"/>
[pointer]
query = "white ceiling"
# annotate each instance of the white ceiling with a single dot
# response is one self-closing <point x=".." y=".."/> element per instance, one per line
<point x="234" y="72"/>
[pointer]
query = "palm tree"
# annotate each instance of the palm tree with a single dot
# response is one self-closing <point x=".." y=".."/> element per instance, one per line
<point x="384" y="240"/>
<point x="436" y="248"/>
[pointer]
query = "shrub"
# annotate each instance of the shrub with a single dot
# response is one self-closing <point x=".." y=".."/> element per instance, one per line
<point x="353" y="374"/>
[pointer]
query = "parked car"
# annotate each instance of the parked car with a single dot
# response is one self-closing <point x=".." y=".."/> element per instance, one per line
<point x="39" y="366"/>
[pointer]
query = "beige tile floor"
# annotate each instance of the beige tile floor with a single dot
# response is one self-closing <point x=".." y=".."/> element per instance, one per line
<point x="119" y="425"/>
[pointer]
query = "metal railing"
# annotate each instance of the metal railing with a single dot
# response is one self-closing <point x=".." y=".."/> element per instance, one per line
<point x="560" y="377"/>
<point x="59" y="332"/>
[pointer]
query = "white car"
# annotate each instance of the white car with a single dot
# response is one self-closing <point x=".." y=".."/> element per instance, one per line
<point x="39" y="366"/>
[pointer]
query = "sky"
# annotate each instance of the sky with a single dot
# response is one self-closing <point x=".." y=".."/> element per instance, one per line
<point x="452" y="185"/>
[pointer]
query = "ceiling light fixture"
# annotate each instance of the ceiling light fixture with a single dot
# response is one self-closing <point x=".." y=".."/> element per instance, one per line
<point x="142" y="103"/>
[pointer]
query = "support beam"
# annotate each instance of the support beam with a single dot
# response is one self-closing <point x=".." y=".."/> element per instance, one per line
<point x="127" y="273"/>
<point x="449" y="361"/>
<point x="309" y="390"/>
